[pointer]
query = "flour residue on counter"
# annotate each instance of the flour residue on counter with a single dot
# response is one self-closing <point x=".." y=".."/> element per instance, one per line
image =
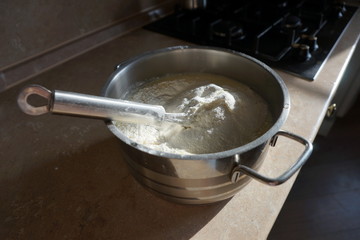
<point x="223" y="113"/>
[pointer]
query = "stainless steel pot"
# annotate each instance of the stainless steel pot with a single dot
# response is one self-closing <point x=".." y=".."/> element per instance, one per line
<point x="203" y="178"/>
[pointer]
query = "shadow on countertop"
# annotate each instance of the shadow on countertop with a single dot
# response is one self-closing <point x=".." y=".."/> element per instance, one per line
<point x="324" y="201"/>
<point x="91" y="195"/>
<point x="64" y="177"/>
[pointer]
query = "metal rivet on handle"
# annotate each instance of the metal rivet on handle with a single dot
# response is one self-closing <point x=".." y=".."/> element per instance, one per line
<point x="235" y="176"/>
<point x="273" y="141"/>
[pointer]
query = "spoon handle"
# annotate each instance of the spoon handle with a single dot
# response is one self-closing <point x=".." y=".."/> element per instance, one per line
<point x="70" y="103"/>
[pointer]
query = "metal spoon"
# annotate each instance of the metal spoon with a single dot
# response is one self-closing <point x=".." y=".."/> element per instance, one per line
<point x="70" y="103"/>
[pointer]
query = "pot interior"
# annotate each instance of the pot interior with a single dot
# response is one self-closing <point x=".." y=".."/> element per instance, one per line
<point x="236" y="66"/>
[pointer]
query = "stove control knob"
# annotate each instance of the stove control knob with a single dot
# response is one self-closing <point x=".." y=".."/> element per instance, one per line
<point x="339" y="10"/>
<point x="303" y="52"/>
<point x="311" y="41"/>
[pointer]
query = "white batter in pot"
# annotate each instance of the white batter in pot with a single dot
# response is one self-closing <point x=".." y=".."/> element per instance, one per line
<point x="225" y="114"/>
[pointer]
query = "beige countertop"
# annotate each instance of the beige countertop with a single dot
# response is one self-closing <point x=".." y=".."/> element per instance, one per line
<point x="64" y="178"/>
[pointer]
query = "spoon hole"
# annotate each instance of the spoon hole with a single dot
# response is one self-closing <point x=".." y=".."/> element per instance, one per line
<point x="37" y="101"/>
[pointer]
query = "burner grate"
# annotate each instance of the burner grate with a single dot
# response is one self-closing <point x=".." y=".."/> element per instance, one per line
<point x="294" y="36"/>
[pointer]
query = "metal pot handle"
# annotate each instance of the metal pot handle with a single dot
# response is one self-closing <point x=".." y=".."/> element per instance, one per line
<point x="236" y="173"/>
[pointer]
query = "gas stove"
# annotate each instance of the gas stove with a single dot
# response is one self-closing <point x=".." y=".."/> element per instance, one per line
<point x="295" y="36"/>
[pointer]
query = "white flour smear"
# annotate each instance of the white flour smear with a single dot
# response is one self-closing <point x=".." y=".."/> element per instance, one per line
<point x="224" y="114"/>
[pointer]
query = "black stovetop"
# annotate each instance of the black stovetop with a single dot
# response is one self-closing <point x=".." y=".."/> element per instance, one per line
<point x="294" y="36"/>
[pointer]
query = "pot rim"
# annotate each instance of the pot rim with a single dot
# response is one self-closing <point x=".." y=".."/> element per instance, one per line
<point x="224" y="154"/>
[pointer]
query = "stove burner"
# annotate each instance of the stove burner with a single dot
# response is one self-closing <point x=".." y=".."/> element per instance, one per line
<point x="295" y="35"/>
<point x="228" y="29"/>
<point x="293" y="22"/>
